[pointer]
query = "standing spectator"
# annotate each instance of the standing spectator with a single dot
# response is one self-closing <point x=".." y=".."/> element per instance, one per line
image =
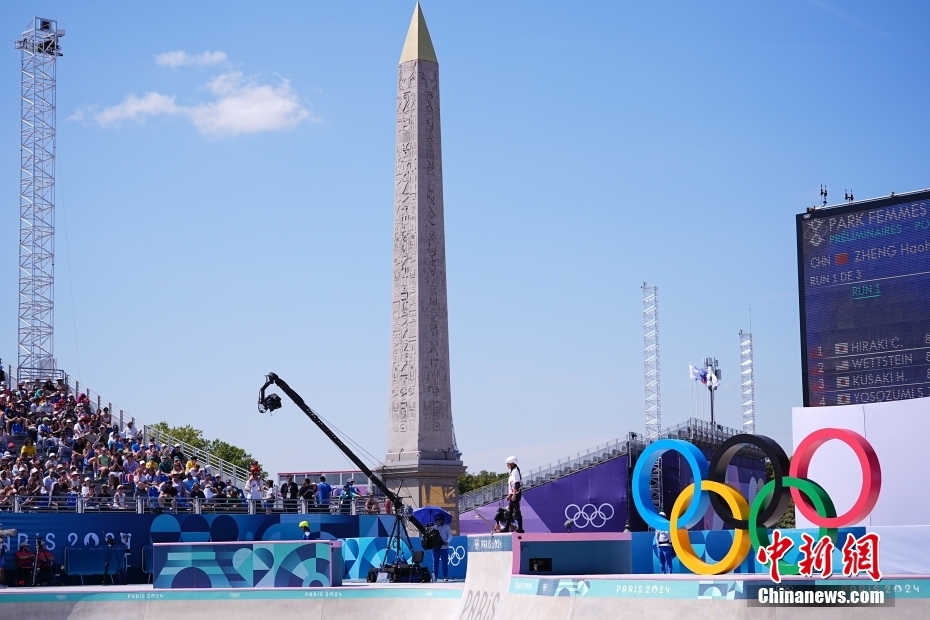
<point x="323" y="493"/>
<point x="268" y="494"/>
<point x="289" y="493"/>
<point x="307" y="491"/>
<point x="254" y="487"/>
<point x="346" y="499"/>
<point x="441" y="555"/>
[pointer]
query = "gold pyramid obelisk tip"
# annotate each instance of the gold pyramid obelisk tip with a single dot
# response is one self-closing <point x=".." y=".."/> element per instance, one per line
<point x="418" y="45"/>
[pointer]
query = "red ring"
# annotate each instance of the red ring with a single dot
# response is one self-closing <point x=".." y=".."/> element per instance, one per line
<point x="871" y="475"/>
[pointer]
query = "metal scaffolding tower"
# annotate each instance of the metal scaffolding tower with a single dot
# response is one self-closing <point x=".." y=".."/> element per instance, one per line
<point x="40" y="52"/>
<point x="746" y="379"/>
<point x="651" y="371"/>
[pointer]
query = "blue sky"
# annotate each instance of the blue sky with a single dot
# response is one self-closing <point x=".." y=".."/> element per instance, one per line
<point x="225" y="191"/>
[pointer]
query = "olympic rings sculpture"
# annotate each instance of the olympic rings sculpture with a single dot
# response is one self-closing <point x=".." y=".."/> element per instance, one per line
<point x="456" y="555"/>
<point x="589" y="516"/>
<point x="709" y="490"/>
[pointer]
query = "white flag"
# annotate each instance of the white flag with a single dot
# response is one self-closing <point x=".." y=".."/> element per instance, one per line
<point x="712" y="379"/>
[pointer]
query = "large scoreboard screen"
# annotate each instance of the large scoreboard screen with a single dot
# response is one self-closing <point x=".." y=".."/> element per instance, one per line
<point x="864" y="277"/>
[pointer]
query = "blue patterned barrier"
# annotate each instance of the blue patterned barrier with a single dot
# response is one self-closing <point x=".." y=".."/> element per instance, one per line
<point x="712" y="545"/>
<point x="361" y="554"/>
<point x="297" y="564"/>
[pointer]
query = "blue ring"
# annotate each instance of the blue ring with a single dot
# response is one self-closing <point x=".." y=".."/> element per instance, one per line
<point x="643" y="471"/>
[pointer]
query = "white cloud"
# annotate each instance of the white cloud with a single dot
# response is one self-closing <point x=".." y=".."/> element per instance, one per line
<point x="244" y="107"/>
<point x="138" y="108"/>
<point x="240" y="106"/>
<point x="181" y="58"/>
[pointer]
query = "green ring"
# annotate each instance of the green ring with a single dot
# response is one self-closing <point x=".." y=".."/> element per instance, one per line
<point x="818" y="496"/>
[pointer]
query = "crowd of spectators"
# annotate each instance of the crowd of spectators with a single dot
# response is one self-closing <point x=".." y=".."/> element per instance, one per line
<point x="70" y="448"/>
<point x="57" y="446"/>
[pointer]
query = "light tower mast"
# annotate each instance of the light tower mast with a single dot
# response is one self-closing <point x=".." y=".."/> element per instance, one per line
<point x="651" y="372"/>
<point x="747" y="383"/>
<point x="40" y="52"/>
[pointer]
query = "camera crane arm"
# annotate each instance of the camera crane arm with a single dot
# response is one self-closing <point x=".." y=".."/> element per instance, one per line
<point x="273" y="401"/>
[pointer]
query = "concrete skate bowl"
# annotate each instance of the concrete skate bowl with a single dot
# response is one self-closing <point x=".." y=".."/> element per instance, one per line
<point x="380" y="601"/>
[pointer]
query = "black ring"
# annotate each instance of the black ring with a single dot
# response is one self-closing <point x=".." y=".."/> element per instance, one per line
<point x="717" y="472"/>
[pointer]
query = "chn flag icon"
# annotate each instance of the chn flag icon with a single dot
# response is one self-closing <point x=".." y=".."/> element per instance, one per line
<point x="842" y="348"/>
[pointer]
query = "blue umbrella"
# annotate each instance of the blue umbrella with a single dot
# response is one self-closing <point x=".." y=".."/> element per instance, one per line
<point x="428" y="514"/>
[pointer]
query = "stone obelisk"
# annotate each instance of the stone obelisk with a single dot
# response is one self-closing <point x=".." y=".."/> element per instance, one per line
<point x="421" y="442"/>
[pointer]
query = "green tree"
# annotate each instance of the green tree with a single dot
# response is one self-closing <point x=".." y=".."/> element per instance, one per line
<point x="217" y="447"/>
<point x="470" y="482"/>
<point x="786" y="522"/>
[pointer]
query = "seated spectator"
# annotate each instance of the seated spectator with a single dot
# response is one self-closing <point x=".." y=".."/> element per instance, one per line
<point x="371" y="505"/>
<point x="119" y="498"/>
<point x="29" y="449"/>
<point x="189" y="482"/>
<point x="24" y="561"/>
<point x="104" y="497"/>
<point x="168" y="496"/>
<point x="198" y="493"/>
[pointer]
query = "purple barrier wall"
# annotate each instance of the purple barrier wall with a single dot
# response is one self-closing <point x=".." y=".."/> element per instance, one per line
<point x="595" y="499"/>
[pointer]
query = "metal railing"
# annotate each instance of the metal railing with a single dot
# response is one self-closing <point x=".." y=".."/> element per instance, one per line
<point x="706" y="435"/>
<point x="553" y="471"/>
<point x="144" y="504"/>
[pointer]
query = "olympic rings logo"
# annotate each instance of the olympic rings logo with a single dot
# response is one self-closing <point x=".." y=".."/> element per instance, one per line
<point x="709" y="489"/>
<point x="456" y="555"/>
<point x="595" y="517"/>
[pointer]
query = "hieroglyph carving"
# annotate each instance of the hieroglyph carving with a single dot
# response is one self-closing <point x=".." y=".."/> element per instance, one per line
<point x="420" y="393"/>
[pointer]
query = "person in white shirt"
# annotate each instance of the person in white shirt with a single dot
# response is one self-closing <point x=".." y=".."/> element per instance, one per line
<point x="441" y="555"/>
<point x="119" y="498"/>
<point x="270" y="495"/>
<point x="515" y="487"/>
<point x="254" y="487"/>
<point x="130" y="431"/>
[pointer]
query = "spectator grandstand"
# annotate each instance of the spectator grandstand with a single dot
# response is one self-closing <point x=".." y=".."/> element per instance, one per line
<point x="64" y="448"/>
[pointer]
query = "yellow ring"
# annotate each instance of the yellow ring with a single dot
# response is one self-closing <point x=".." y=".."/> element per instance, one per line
<point x="682" y="545"/>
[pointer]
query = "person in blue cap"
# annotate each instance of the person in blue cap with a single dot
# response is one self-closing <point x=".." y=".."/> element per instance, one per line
<point x="663" y="545"/>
